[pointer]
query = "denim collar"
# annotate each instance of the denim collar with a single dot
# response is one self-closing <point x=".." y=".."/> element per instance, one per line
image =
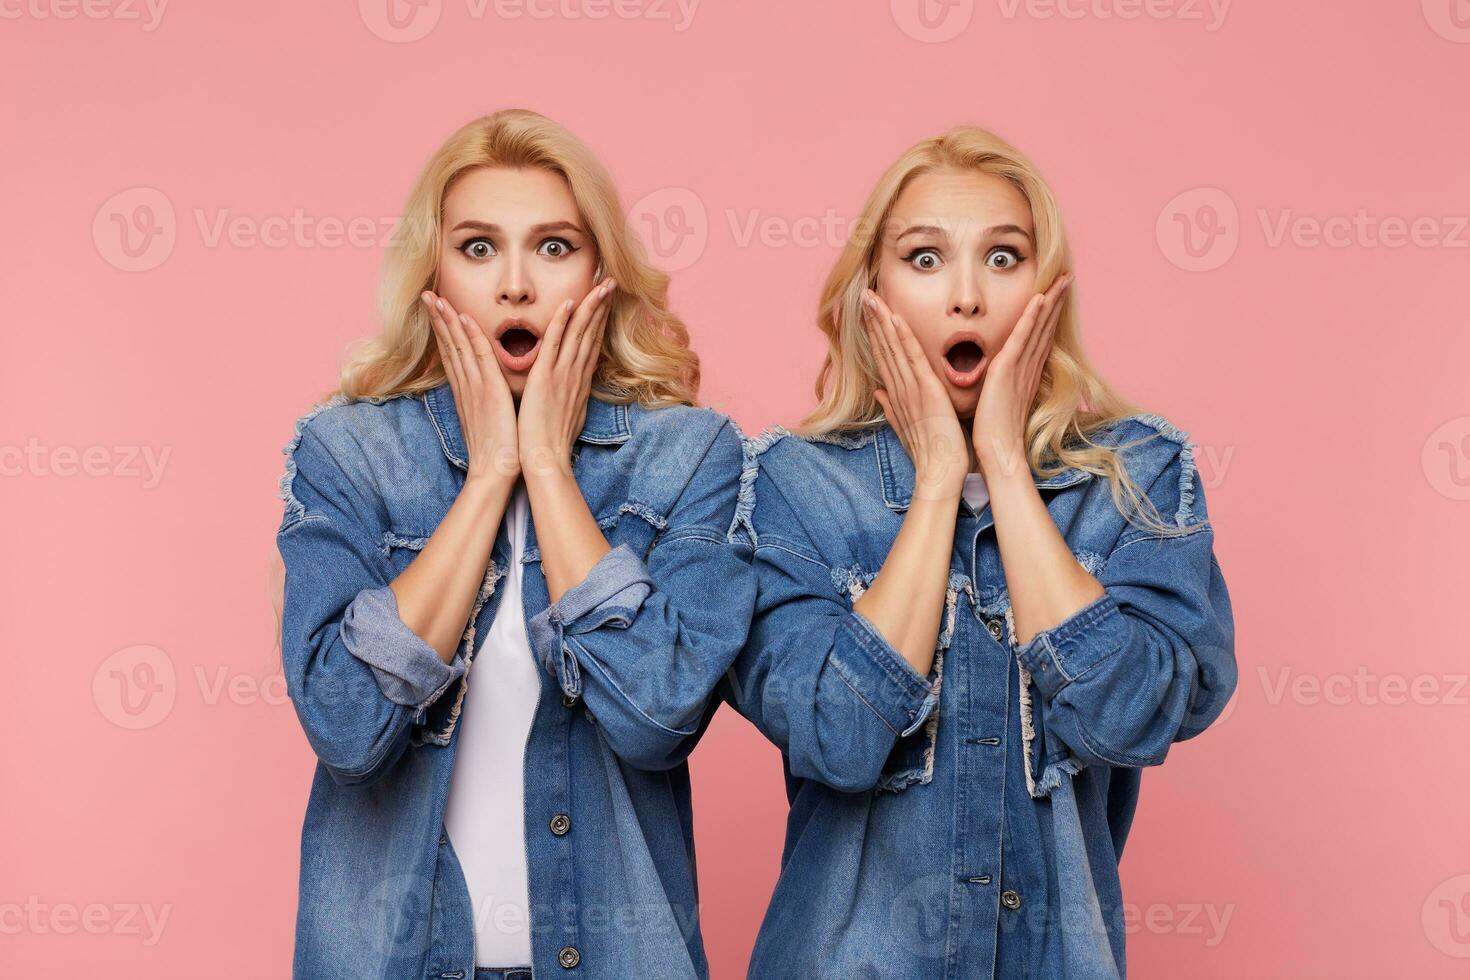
<point x="898" y="471"/>
<point x="606" y="424"/>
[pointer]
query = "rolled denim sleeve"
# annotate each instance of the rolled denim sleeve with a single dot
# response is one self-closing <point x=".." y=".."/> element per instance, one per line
<point x="1148" y="663"/>
<point x="610" y="595"/>
<point x="409" y="671"/>
<point x="816" y="677"/>
<point x="357" y="676"/>
<point x="645" y="642"/>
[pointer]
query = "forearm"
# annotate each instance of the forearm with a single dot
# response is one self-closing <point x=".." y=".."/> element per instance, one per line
<point x="1045" y="582"/>
<point x="437" y="591"/>
<point x="566" y="532"/>
<point x="906" y="599"/>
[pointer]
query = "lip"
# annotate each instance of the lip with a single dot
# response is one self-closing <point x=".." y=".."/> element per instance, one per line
<point x="970" y="378"/>
<point x="509" y="361"/>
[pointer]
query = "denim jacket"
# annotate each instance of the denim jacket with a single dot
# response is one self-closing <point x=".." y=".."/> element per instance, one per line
<point x="629" y="655"/>
<point x="969" y="823"/>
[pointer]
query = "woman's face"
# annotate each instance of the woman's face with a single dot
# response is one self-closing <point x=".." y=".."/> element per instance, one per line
<point x="514" y="248"/>
<point x="958" y="263"/>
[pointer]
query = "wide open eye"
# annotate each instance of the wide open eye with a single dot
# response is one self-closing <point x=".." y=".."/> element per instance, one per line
<point x="556" y="248"/>
<point x="924" y="259"/>
<point x="478" y="248"/>
<point x="1011" y="258"/>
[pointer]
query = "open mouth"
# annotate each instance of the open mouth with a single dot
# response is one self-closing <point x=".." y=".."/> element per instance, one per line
<point x="518" y="341"/>
<point x="963" y="361"/>
<point x="965" y="356"/>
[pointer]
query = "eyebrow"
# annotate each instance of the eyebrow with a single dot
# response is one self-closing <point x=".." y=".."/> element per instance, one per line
<point x="540" y="229"/>
<point x="942" y="232"/>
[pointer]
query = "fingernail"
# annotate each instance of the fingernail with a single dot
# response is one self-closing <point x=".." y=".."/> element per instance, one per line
<point x="439" y="303"/>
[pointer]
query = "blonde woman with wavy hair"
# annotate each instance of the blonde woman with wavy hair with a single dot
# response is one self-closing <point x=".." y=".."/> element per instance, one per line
<point x="987" y="598"/>
<point x="511" y="485"/>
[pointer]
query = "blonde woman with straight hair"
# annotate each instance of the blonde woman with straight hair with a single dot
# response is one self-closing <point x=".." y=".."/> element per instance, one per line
<point x="511" y="484"/>
<point x="987" y="598"/>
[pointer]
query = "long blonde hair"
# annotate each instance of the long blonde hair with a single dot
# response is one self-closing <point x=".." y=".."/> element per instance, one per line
<point x="645" y="356"/>
<point x="1072" y="401"/>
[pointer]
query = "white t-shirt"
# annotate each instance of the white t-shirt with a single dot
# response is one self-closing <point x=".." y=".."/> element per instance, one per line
<point x="976" y="494"/>
<point x="485" y="814"/>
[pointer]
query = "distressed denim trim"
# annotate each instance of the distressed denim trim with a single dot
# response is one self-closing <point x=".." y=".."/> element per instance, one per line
<point x="295" y="509"/>
<point x="408" y="670"/>
<point x="1052" y="773"/>
<point x="418" y="736"/>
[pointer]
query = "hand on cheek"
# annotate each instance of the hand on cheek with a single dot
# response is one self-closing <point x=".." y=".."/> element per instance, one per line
<point x="1011" y="382"/>
<point x="554" y="403"/>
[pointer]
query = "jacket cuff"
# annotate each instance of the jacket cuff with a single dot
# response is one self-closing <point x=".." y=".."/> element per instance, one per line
<point x="409" y="671"/>
<point x="1058" y="656"/>
<point x="612" y="592"/>
<point x="880" y="675"/>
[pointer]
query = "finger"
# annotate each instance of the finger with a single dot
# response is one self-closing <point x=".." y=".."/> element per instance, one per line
<point x="903" y="374"/>
<point x="591" y="334"/>
<point x="1016" y="342"/>
<point x="882" y="398"/>
<point x="572" y="337"/>
<point x="551" y="342"/>
<point x="468" y="363"/>
<point x="589" y="351"/>
<point x="484" y="351"/>
<point x="447" y="355"/>
<point x="876" y="346"/>
<point x="913" y="351"/>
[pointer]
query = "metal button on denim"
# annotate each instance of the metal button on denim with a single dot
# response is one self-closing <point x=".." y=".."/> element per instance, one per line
<point x="560" y="824"/>
<point x="569" y="957"/>
<point x="994" y="626"/>
<point x="1010" y="899"/>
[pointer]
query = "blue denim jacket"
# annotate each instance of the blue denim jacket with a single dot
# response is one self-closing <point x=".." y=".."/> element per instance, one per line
<point x="969" y="823"/>
<point x="630" y="655"/>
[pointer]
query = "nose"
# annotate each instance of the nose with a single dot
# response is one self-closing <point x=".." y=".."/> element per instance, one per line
<point x="516" y="288"/>
<point x="966" y="299"/>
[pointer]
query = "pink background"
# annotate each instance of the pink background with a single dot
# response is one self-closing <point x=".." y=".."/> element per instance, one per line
<point x="1320" y="830"/>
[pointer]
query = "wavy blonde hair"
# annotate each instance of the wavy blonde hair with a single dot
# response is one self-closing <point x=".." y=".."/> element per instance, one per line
<point x="645" y="356"/>
<point x="1073" y="402"/>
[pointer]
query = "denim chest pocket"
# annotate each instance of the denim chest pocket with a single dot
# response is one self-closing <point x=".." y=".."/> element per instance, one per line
<point x="911" y="762"/>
